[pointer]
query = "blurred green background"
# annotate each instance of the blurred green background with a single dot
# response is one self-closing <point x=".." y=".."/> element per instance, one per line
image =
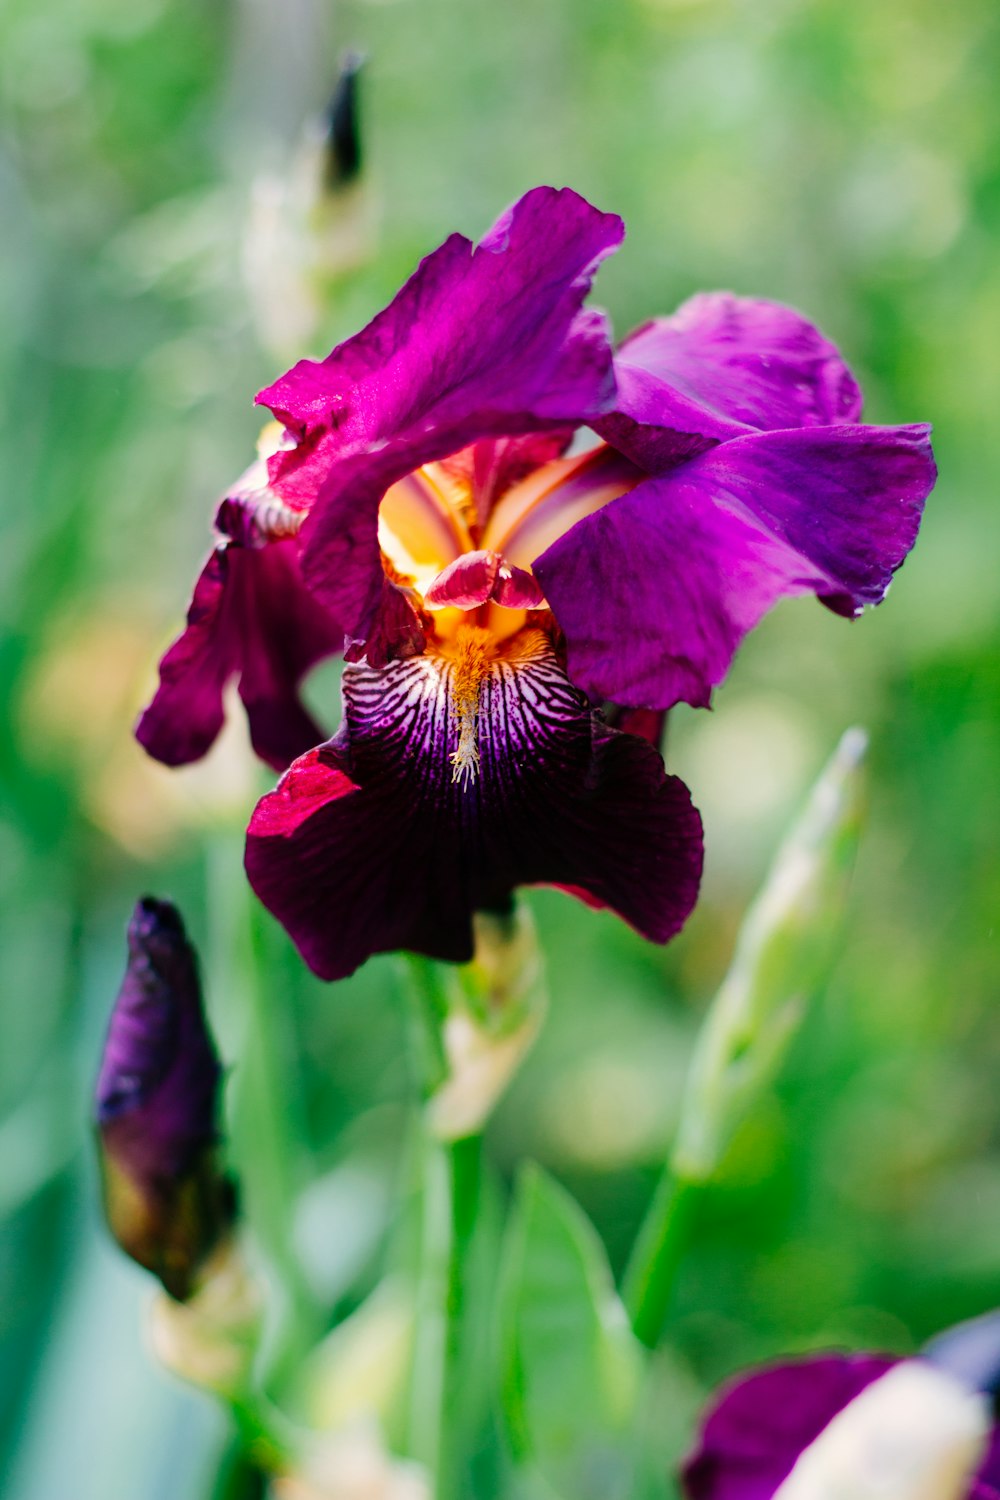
<point x="841" y="156"/>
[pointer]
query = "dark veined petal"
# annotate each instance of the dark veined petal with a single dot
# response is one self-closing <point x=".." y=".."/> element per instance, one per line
<point x="379" y="841"/>
<point x="720" y="367"/>
<point x="482" y="342"/>
<point x="761" y="1423"/>
<point x="655" y="591"/>
<point x="251" y="616"/>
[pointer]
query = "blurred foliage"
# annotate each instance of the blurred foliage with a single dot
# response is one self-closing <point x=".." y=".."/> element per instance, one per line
<point x="841" y="156"/>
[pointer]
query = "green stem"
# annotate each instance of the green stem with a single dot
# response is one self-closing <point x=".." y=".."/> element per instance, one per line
<point x="451" y="1191"/>
<point x="428" y="1014"/>
<point x="652" y="1269"/>
<point x="269" y="1100"/>
<point x="439" y="1405"/>
<point x="431" y="1334"/>
<point x="258" y="1435"/>
<point x="465" y="1163"/>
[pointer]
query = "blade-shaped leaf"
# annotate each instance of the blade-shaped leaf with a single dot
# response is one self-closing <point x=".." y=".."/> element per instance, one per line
<point x="570" y="1367"/>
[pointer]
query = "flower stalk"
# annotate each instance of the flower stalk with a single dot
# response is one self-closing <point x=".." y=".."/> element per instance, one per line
<point x="782" y="955"/>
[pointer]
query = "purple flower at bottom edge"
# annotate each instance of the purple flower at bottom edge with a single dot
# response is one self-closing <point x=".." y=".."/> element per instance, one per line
<point x="761" y="1424"/>
<point x="494" y="593"/>
<point x="156" y="1107"/>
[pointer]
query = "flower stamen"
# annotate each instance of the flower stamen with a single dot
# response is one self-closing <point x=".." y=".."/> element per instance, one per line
<point x="473" y="657"/>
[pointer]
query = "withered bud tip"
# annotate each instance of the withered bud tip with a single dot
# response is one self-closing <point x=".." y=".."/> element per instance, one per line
<point x="343" y="133"/>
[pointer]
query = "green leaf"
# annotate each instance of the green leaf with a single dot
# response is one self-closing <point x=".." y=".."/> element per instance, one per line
<point x="570" y="1368"/>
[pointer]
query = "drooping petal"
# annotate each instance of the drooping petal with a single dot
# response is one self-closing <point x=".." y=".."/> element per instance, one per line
<point x="656" y="590"/>
<point x="251" y="616"/>
<point x="482" y="341"/>
<point x="758" y="1427"/>
<point x="720" y="367"/>
<point x="370" y="843"/>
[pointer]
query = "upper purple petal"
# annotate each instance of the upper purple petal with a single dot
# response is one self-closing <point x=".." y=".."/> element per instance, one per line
<point x="482" y="341"/>
<point x="251" y="616"/>
<point x="656" y="590"/>
<point x="757" y="1428"/>
<point x="720" y="367"/>
<point x="370" y="843"/>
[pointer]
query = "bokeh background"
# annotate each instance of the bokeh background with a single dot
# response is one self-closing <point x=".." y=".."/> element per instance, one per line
<point x="836" y="154"/>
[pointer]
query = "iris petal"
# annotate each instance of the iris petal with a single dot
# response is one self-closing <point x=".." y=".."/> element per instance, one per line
<point x="656" y="590"/>
<point x="370" y="843"/>
<point x="482" y="342"/>
<point x="720" y="367"/>
<point x="251" y="617"/>
<point x="760" y="1424"/>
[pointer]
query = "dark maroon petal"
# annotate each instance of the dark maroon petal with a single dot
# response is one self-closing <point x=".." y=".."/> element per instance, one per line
<point x="760" y="1424"/>
<point x="655" y="591"/>
<point x="397" y="630"/>
<point x="722" y="366"/>
<point x="649" y="723"/>
<point x="377" y="841"/>
<point x="482" y="342"/>
<point x="251" y="616"/>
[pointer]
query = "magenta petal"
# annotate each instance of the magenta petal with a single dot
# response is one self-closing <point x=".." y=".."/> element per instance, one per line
<point x="719" y="367"/>
<point x="250" y="616"/>
<point x="482" y="341"/>
<point x="465" y="583"/>
<point x="655" y="591"/>
<point x="370" y="843"/>
<point x="757" y="1428"/>
<point x="516" y="588"/>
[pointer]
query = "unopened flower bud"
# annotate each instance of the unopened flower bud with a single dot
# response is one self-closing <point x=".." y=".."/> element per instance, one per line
<point x="167" y="1203"/>
<point x="310" y="224"/>
<point x="343" y="134"/>
<point x="782" y="953"/>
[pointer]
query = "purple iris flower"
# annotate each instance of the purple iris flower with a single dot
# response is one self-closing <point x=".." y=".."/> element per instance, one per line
<point x="156" y="1107"/>
<point x="505" y="601"/>
<point x="764" y="1428"/>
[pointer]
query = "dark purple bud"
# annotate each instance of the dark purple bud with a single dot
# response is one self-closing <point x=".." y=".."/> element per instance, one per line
<point x="343" y="135"/>
<point x="971" y="1353"/>
<point x="167" y="1203"/>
